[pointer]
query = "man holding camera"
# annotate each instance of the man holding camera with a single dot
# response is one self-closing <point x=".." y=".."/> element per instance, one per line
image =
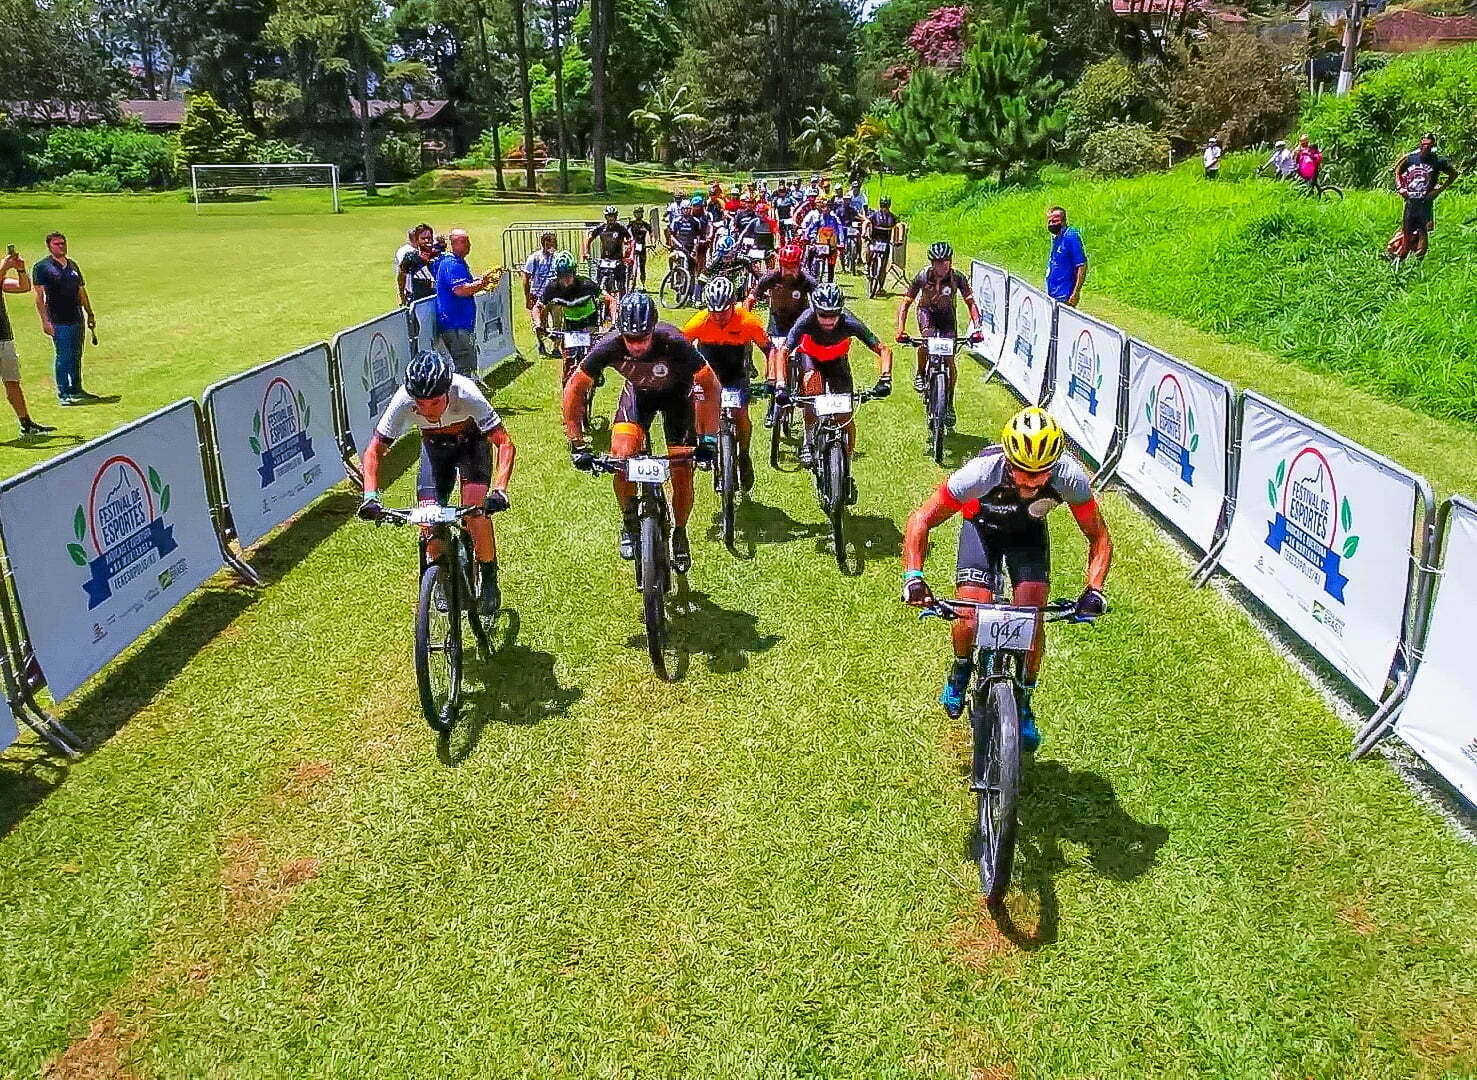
<point x="415" y="275"/>
<point x="10" y="366"/>
<point x="61" y="298"/>
<point x="456" y="308"/>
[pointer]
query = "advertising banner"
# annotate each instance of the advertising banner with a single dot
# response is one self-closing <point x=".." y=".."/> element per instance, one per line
<point x="1322" y="536"/>
<point x="274" y="440"/>
<point x="1025" y="360"/>
<point x="989" y="284"/>
<point x="1088" y="380"/>
<point x="106" y="539"/>
<point x="8" y="730"/>
<point x="371" y="360"/>
<point x="1175" y="448"/>
<point x="494" y="327"/>
<point x="1439" y="718"/>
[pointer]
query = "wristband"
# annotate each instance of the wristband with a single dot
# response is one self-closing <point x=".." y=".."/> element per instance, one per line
<point x="911" y="575"/>
<point x="371" y="495"/>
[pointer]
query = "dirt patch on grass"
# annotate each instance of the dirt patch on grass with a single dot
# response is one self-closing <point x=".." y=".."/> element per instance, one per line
<point x="976" y="941"/>
<point x="253" y="892"/>
<point x="1357" y="918"/>
<point x="305" y="781"/>
<point x="1446" y="1043"/>
<point x="992" y="1072"/>
<point x="98" y="1055"/>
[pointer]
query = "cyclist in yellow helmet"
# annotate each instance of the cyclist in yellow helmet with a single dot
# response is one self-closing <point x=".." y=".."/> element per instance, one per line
<point x="1004" y="495"/>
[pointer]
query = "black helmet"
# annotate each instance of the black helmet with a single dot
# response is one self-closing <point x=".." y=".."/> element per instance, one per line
<point x="428" y="376"/>
<point x="827" y="299"/>
<point x="886" y="200"/>
<point x="611" y="211"/>
<point x="941" y="250"/>
<point x="636" y="316"/>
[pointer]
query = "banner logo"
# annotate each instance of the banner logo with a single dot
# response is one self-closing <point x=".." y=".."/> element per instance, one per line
<point x="1172" y="435"/>
<point x="1308" y="518"/>
<point x="1087" y="375"/>
<point x="282" y="438"/>
<point x="122" y="526"/>
<point x="1025" y="334"/>
<point x="381" y="367"/>
<point x="985" y="299"/>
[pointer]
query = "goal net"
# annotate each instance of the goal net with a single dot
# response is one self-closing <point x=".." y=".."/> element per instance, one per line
<point x="225" y="182"/>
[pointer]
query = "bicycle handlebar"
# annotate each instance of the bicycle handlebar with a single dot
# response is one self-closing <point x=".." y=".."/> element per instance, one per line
<point x="406" y="515"/>
<point x="968" y="339"/>
<point x="1062" y="609"/>
<point x="609" y="463"/>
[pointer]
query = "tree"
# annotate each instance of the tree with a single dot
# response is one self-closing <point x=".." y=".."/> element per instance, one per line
<point x="228" y="49"/>
<point x="664" y="118"/>
<point x="938" y="38"/>
<point x="855" y="157"/>
<point x="525" y="92"/>
<point x="556" y="45"/>
<point x="1235" y="86"/>
<point x="1006" y="103"/>
<point x="212" y="135"/>
<point x="53" y="52"/>
<point x="922" y="132"/>
<point x="353" y="36"/>
<point x="602" y="20"/>
<point x="818" y="130"/>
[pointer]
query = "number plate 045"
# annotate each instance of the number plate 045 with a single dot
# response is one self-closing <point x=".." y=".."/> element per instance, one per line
<point x="1004" y="629"/>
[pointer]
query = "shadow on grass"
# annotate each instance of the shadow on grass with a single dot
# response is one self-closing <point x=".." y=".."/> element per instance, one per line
<point x="960" y="446"/>
<point x="502" y="375"/>
<point x="696" y="625"/>
<point x="1060" y="804"/>
<point x="46" y="444"/>
<point x="513" y="685"/>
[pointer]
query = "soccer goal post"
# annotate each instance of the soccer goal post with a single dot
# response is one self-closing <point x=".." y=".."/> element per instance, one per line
<point x="212" y="181"/>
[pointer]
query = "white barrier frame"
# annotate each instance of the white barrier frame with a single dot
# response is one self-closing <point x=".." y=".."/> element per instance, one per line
<point x="347" y="446"/>
<point x="1002" y="315"/>
<point x="1419" y="549"/>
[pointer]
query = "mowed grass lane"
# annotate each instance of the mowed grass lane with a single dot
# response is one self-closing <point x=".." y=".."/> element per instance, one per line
<point x="267" y="869"/>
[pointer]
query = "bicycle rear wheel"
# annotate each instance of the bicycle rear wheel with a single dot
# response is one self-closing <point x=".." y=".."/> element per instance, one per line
<point x="938" y="403"/>
<point x="728" y="481"/>
<point x="874" y="277"/>
<point x="654" y="591"/>
<point x="438" y="649"/>
<point x="837" y="488"/>
<point x="675" y="288"/>
<point x="996" y="780"/>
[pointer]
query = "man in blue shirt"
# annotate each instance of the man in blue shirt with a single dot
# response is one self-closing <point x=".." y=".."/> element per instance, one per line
<point x="456" y="310"/>
<point x="1066" y="266"/>
<point x="61" y="300"/>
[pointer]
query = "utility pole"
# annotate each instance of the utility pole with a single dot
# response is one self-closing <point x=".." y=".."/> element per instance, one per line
<point x="1352" y="27"/>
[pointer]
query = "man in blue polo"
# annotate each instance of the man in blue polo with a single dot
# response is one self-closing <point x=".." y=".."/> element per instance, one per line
<point x="1066" y="265"/>
<point x="456" y="308"/>
<point x="61" y="301"/>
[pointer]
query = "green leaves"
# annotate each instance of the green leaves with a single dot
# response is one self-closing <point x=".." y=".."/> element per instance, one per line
<point x="256" y="423"/>
<point x="1271" y="493"/>
<point x="1346" y="514"/>
<point x="78" y="555"/>
<point x="79" y="523"/>
<point x="1274" y="485"/>
<point x="164" y="500"/>
<point x="1351" y="545"/>
<point x="1194" y="443"/>
<point x="255" y="443"/>
<point x="1281" y="472"/>
<point x="155" y="482"/>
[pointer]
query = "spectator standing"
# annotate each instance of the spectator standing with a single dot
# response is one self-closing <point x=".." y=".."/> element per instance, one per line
<point x="1418" y="176"/>
<point x="538" y="271"/>
<point x="1066" y="263"/>
<point x="456" y="308"/>
<point x="10" y="365"/>
<point x="1212" y="158"/>
<point x="1281" y="162"/>
<point x="415" y="277"/>
<point x="61" y="300"/>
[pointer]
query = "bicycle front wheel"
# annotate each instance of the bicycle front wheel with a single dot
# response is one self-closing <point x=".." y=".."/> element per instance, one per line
<point x="838" y="489"/>
<point x="654" y="591"/>
<point x="675" y="288"/>
<point x="438" y="648"/>
<point x="1331" y="192"/>
<point x="938" y="403"/>
<point x="728" y="481"/>
<point x="996" y="780"/>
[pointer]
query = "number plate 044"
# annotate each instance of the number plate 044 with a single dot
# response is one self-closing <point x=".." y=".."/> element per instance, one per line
<point x="1004" y="629"/>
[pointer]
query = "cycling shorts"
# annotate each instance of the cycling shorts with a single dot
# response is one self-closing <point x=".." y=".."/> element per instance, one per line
<point x="1024" y="551"/>
<point x="463" y="451"/>
<point x="679" y="418"/>
<point x="835" y="374"/>
<point x="729" y="362"/>
<point x="935" y="322"/>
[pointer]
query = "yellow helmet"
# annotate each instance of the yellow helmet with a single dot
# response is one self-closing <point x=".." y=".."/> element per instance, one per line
<point x="1032" y="440"/>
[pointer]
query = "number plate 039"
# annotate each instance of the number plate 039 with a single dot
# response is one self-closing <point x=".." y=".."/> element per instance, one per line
<point x="647" y="470"/>
<point x="1003" y="629"/>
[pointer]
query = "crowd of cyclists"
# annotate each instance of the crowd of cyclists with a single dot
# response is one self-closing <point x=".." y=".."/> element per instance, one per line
<point x="680" y="373"/>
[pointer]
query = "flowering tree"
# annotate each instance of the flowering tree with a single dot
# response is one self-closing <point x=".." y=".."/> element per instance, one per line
<point x="938" y="37"/>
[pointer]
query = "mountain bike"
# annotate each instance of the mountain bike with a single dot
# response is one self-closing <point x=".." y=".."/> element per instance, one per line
<point x="726" y="470"/>
<point x="851" y="250"/>
<point x="653" y="536"/>
<point x="450" y="588"/>
<point x="575" y="347"/>
<point x="676" y="288"/>
<point x="1316" y="188"/>
<point x="877" y="259"/>
<point x="1004" y="636"/>
<point x="834" y="486"/>
<point x="936" y="387"/>
<point x="612" y="281"/>
<point x="786" y="425"/>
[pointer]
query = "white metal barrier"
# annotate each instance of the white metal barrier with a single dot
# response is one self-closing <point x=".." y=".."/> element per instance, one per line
<point x="1030" y="333"/>
<point x="991" y="293"/>
<point x="493" y="331"/>
<point x="371" y="359"/>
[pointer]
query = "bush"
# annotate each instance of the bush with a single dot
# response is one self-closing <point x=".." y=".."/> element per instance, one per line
<point x="400" y="155"/>
<point x="1109" y="91"/>
<point x="1234" y="86"/>
<point x="1386" y="113"/>
<point x="280" y="152"/>
<point x="98" y="183"/>
<point x="212" y="135"/>
<point x="1125" y="150"/>
<point x="134" y="158"/>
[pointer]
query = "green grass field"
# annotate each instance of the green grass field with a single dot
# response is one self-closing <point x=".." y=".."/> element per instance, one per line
<point x="265" y="868"/>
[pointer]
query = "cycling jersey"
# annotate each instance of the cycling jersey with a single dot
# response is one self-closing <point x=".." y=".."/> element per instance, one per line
<point x="811" y="338"/>
<point x="726" y="345"/>
<point x="1003" y="530"/>
<point x="815" y="221"/>
<point x="687" y="230"/>
<point x="670" y="364"/>
<point x="936" y="298"/>
<point x="612" y="239"/>
<point x="789" y="298"/>
<point x="581" y="300"/>
<point x="640" y="234"/>
<point x="883" y="222"/>
<point x="464" y="403"/>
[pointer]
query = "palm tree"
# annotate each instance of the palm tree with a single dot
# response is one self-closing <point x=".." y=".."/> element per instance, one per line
<point x="818" y="129"/>
<point x="664" y="118"/>
<point x="855" y="157"/>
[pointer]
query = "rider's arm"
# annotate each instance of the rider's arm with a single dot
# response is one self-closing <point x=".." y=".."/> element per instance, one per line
<point x="939" y="508"/>
<point x="902" y="311"/>
<point x="1449" y="171"/>
<point x="585" y="244"/>
<point x="502" y="445"/>
<point x="693" y="327"/>
<point x="369" y="464"/>
<point x="575" y="392"/>
<point x="1099" y="545"/>
<point x="707" y="408"/>
<point x="864" y="334"/>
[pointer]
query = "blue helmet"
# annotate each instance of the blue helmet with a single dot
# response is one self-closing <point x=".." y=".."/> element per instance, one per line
<point x="636" y="316"/>
<point x="428" y="376"/>
<point x="727" y="244"/>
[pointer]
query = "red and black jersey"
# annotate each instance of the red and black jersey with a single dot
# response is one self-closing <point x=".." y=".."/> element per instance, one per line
<point x="818" y="343"/>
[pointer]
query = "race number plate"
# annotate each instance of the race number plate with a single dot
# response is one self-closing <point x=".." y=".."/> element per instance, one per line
<point x="777" y="342"/>
<point x="832" y="404"/>
<point x="645" y="470"/>
<point x="1004" y="628"/>
<point x="823" y="249"/>
<point x="940" y="346"/>
<point x="733" y="399"/>
<point x="577" y="339"/>
<point x="609" y="264"/>
<point x="880" y="247"/>
<point x="433" y="515"/>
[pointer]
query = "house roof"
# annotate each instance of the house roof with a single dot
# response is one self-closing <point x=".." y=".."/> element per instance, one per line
<point x="163" y="114"/>
<point x="1412" y="30"/>
<point x="417" y="112"/>
<point x="1175" y="7"/>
